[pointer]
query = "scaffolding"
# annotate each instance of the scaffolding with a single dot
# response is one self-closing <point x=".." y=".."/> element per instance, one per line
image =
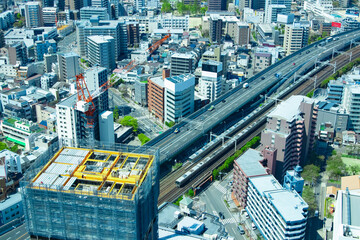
<point x="99" y="192"/>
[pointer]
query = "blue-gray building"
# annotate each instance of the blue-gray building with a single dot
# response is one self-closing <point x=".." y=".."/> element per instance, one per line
<point x="293" y="180"/>
<point x="42" y="47"/>
<point x="11" y="209"/>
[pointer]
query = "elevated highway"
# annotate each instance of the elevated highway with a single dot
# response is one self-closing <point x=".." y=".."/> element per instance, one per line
<point x="197" y="124"/>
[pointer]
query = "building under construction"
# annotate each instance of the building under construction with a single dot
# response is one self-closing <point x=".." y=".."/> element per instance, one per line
<point x="94" y="194"/>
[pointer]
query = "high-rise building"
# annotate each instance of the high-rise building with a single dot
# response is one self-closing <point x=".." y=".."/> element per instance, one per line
<point x="107" y="193"/>
<point x="210" y="83"/>
<point x="141" y="92"/>
<point x="290" y="129"/>
<point x="156" y="95"/>
<point x="100" y="51"/>
<point x="216" y="5"/>
<point x="47" y="3"/>
<point x="74" y="4"/>
<point x="278" y="213"/>
<point x="179" y="97"/>
<point x="87" y="12"/>
<point x="257" y="4"/>
<point x="49" y="16"/>
<point x="216" y="28"/>
<point x="275" y="7"/>
<point x="182" y="63"/>
<point x="335" y="90"/>
<point x="49" y="59"/>
<point x="133" y="34"/>
<point x="100" y="3"/>
<point x="106" y="121"/>
<point x="351" y="104"/>
<point x="48" y="80"/>
<point x="17" y="53"/>
<point x="296" y="36"/>
<point x="242" y="34"/>
<point x="261" y="61"/>
<point x="95" y="77"/>
<point x="115" y="29"/>
<point x="33" y="15"/>
<point x="72" y="123"/>
<point x="68" y="66"/>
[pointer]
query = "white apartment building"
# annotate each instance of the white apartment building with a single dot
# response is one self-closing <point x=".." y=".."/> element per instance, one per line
<point x="100" y="51"/>
<point x="179" y="97"/>
<point x="296" y="36"/>
<point x="351" y="103"/>
<point x="95" y="77"/>
<point x="49" y="16"/>
<point x="346" y="217"/>
<point x="170" y="21"/>
<point x="87" y="12"/>
<point x="278" y="213"/>
<point x="319" y="7"/>
<point x="68" y="66"/>
<point x="210" y="83"/>
<point x="106" y="120"/>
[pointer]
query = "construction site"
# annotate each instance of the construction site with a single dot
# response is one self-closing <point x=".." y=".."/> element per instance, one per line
<point x="80" y="193"/>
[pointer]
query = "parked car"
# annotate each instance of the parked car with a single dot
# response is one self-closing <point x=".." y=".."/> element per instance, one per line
<point x="221" y="215"/>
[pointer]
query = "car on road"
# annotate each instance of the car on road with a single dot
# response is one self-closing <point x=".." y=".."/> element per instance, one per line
<point x="177" y="130"/>
<point x="247" y="215"/>
<point x="241" y="230"/>
<point x="224" y="101"/>
<point x="221" y="215"/>
<point x="316" y="214"/>
<point x="211" y="108"/>
<point x="262" y="78"/>
<point x="294" y="64"/>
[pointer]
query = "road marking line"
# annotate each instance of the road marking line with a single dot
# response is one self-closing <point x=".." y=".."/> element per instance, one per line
<point x="21" y="236"/>
<point x="18" y="232"/>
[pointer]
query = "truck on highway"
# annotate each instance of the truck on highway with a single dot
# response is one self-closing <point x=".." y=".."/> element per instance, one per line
<point x="211" y="108"/>
<point x="245" y="85"/>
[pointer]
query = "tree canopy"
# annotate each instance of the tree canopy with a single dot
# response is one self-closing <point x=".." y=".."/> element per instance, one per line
<point x="310" y="173"/>
<point x="166" y="6"/>
<point x="130" y="122"/>
<point x="336" y="167"/>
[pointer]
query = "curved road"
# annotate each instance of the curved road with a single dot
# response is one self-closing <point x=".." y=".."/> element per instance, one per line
<point x="200" y="122"/>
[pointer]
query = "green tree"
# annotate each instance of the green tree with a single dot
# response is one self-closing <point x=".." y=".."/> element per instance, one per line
<point x="336" y="167"/>
<point x="353" y="169"/>
<point x="116" y="113"/>
<point x="3" y="146"/>
<point x="203" y="10"/>
<point x="170" y="124"/>
<point x="14" y="148"/>
<point x="191" y="193"/>
<point x="181" y="7"/>
<point x="324" y="34"/>
<point x="130" y="122"/>
<point x="166" y="7"/>
<point x="18" y="16"/>
<point x="143" y="138"/>
<point x="310" y="173"/>
<point x="309" y="197"/>
<point x="215" y="174"/>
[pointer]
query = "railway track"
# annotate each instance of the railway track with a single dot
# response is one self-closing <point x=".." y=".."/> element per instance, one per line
<point x="170" y="192"/>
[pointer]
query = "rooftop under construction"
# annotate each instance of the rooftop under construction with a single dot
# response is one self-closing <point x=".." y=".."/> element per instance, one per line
<point x="99" y="172"/>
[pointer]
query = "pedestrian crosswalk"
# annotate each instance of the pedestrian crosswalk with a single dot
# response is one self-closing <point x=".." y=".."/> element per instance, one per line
<point x="224" y="221"/>
<point x="219" y="187"/>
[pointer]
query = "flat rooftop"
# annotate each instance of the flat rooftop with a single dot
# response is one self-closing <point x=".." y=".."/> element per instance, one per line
<point x="249" y="162"/>
<point x="265" y="183"/>
<point x="350" y="204"/>
<point x="180" y="78"/>
<point x="94" y="172"/>
<point x="289" y="109"/>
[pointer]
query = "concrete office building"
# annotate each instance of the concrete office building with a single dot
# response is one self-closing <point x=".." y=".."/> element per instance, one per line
<point x="210" y="83"/>
<point x="72" y="124"/>
<point x="133" y="35"/>
<point x="335" y="90"/>
<point x="48" y="80"/>
<point x="216" y="28"/>
<point x="141" y="92"/>
<point x="278" y="213"/>
<point x="95" y="77"/>
<point x="17" y="53"/>
<point x="156" y="96"/>
<point x="68" y="66"/>
<point x="351" y="104"/>
<point x="87" y="12"/>
<point x="115" y="29"/>
<point x="74" y="4"/>
<point x="100" y="3"/>
<point x="262" y="61"/>
<point x="290" y="129"/>
<point x="49" y="16"/>
<point x="296" y="36"/>
<point x="72" y="192"/>
<point x="100" y="51"/>
<point x="182" y="63"/>
<point x="169" y="21"/>
<point x="11" y="209"/>
<point x="33" y="15"/>
<point x="294" y="181"/>
<point x="49" y="60"/>
<point x="274" y="7"/>
<point x="242" y="34"/>
<point x="107" y="134"/>
<point x="216" y="5"/>
<point x="332" y="113"/>
<point x="179" y="97"/>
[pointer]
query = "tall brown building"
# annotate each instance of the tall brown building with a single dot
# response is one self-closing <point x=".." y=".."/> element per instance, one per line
<point x="156" y="97"/>
<point x="133" y="35"/>
<point x="290" y="129"/>
<point x="242" y="34"/>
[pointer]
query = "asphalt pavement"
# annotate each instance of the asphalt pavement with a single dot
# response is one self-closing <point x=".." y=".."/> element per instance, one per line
<point x="19" y="233"/>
